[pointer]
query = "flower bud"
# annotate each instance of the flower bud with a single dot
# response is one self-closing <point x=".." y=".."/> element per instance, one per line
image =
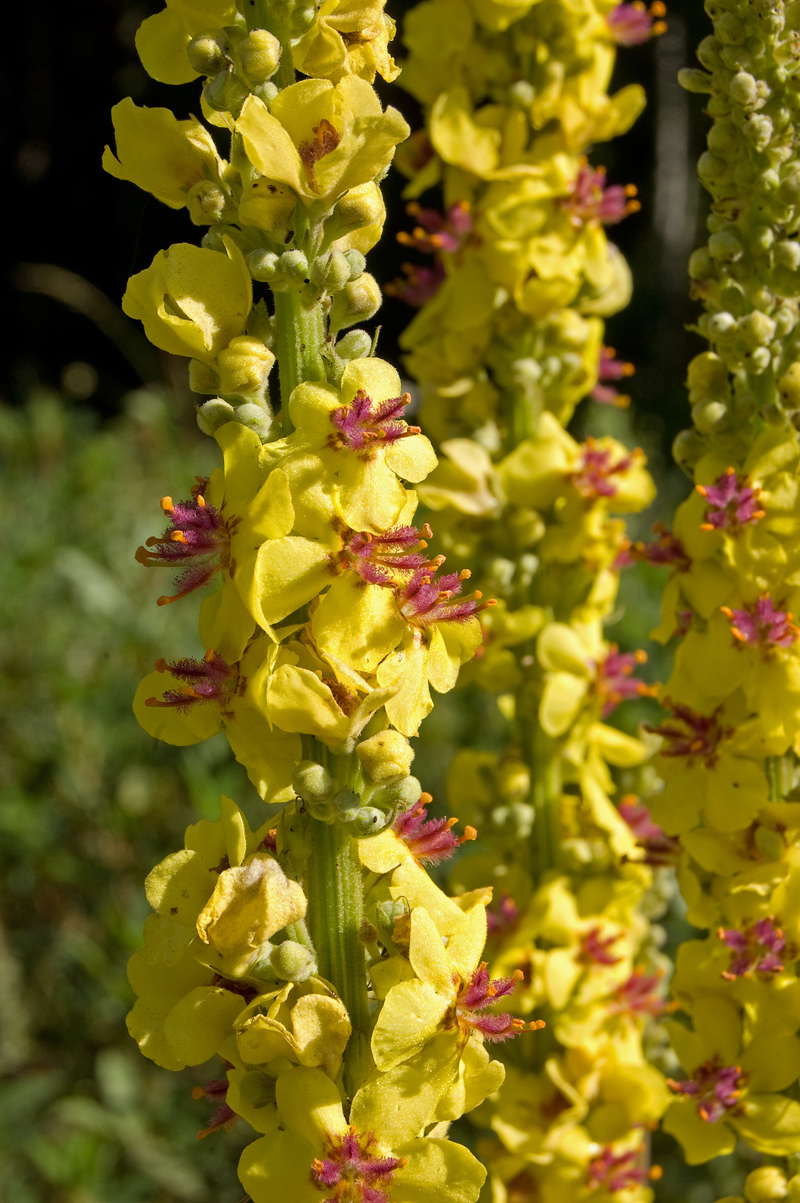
<point x="346" y="805"/>
<point x="700" y="264"/>
<point x="758" y="130"/>
<point x="293" y="962"/>
<point x="707" y="375"/>
<point x="726" y="246"/>
<point x="759" y="360"/>
<point x="357" y="261"/>
<point x="708" y="53"/>
<point x="743" y="88"/>
<point x="707" y="415"/>
<point x="756" y="329"/>
<point x="356" y="344"/>
<point x="769" y="843"/>
<point x="720" y="324"/>
<point x="206" y="202"/>
<point x="693" y="79"/>
<point x="206" y="52"/>
<point x="214" y="414"/>
<point x="225" y="93"/>
<point x="767" y="1184"/>
<point x="723" y="138"/>
<point x="312" y="782"/>
<point x="264" y="265"/>
<point x="730" y="30"/>
<point x="711" y="167"/>
<point x="368" y="820"/>
<point x="259" y="54"/>
<point x="789" y="191"/>
<point x="789" y="387"/>
<point x="787" y="254"/>
<point x="385" y="756"/>
<point x="330" y="272"/>
<point x="360" y="206"/>
<point x="256" y="418"/>
<point x="244" y="365"/>
<point x="397" y="795"/>
<point x="358" y="301"/>
<point x="687" y="449"/>
<point x="294" y="267"/>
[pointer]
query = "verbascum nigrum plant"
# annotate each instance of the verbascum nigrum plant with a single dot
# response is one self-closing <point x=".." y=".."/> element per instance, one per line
<point x="507" y="340"/>
<point x="347" y="996"/>
<point x="729" y="744"/>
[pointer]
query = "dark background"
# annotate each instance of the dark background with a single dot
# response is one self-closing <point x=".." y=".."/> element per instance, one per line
<point x="74" y="62"/>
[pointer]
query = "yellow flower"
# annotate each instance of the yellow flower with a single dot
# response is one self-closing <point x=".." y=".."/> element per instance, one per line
<point x="349" y="37"/>
<point x="192" y="301"/>
<point x="161" y="40"/>
<point x="321" y="138"/>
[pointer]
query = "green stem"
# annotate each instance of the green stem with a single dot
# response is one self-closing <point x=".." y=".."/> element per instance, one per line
<point x="335" y="913"/>
<point x="336" y="916"/>
<point x="299" y="338"/>
<point x="775" y="778"/>
<point x="545" y="762"/>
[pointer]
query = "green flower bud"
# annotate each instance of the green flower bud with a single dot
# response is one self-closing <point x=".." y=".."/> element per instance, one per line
<point x="711" y="167"/>
<point x="330" y="272"/>
<point x="357" y="261"/>
<point x="225" y="93"/>
<point x="368" y="820"/>
<point x="744" y="88"/>
<point x="769" y="843"/>
<point x="709" y="415"/>
<point x="385" y="756"/>
<point x="264" y="265"/>
<point x="726" y="246"/>
<point x="720" y="324"/>
<point x="346" y="805"/>
<point x="707" y="375"/>
<point x="206" y="52"/>
<point x="260" y="55"/>
<point x="759" y="360"/>
<point x="758" y="130"/>
<point x="521" y="93"/>
<point x="767" y="1184"/>
<point x="723" y="138"/>
<point x="700" y="264"/>
<point x="388" y="912"/>
<point x="293" y="962"/>
<point x="294" y="267"/>
<point x="789" y="191"/>
<point x="756" y="329"/>
<point x="356" y="344"/>
<point x="266" y="92"/>
<point x="397" y="795"/>
<point x="708" y="53"/>
<point x="730" y="30"/>
<point x="789" y="387"/>
<point x="693" y="79"/>
<point x="358" y="301"/>
<point x="256" y="418"/>
<point x="312" y="782"/>
<point x="214" y="414"/>
<point x="360" y="207"/>
<point x="687" y="449"/>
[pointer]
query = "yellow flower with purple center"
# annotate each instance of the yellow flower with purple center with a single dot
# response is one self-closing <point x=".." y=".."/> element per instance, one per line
<point x="731" y="503"/>
<point x="755" y="949"/>
<point x="762" y="625"/>
<point x="592" y="200"/>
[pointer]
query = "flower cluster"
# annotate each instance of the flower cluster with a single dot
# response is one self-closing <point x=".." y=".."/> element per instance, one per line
<point x="345" y="992"/>
<point x="728" y="752"/>
<point x="507" y="339"/>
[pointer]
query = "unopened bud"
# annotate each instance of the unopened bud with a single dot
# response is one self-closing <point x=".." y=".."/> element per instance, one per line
<point x="730" y="30"/>
<point x="720" y="324"/>
<point x="385" y="756"/>
<point x="758" y="130"/>
<point x="743" y="88"/>
<point x="206" y="202"/>
<point x="293" y="962"/>
<point x="360" y="206"/>
<point x="789" y="191"/>
<point x="789" y="387"/>
<point x="346" y="805"/>
<point x="759" y="360"/>
<point x="214" y="414"/>
<point x="708" y="53"/>
<point x="331" y="271"/>
<point x="356" y="344"/>
<point x="700" y="264"/>
<point x="206" y="52"/>
<point x="756" y="329"/>
<point x="358" y="301"/>
<point x="294" y="266"/>
<point x="397" y="795"/>
<point x="767" y="1184"/>
<point x="687" y="449"/>
<point x="723" y="138"/>
<point x="368" y="820"/>
<point x="707" y="375"/>
<point x="707" y="415"/>
<point x="225" y="93"/>
<point x="769" y="843"/>
<point x="244" y="365"/>
<point x="264" y="265"/>
<point x="357" y="261"/>
<point x="256" y="418"/>
<point x="725" y="247"/>
<point x="693" y="79"/>
<point x="787" y="254"/>
<point x="260" y="55"/>
<point x="312" y="782"/>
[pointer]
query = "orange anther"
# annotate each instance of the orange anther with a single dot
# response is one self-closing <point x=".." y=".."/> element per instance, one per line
<point x="469" y="834"/>
<point x="178" y="536"/>
<point x="166" y="504"/>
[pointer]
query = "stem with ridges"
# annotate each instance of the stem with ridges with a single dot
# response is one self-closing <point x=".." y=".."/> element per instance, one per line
<point x="299" y="337"/>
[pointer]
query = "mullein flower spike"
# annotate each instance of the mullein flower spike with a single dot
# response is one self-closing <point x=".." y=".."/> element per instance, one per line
<point x="295" y="952"/>
<point x="516" y="277"/>
<point x="728" y="752"/>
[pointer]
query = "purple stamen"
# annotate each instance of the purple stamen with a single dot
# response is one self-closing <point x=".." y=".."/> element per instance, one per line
<point x="197" y="541"/>
<point x="756" y="949"/>
<point x="354" y="1173"/>
<point x="209" y="680"/>
<point x="633" y="24"/>
<point x="661" y="849"/>
<point x="688" y="733"/>
<point x="592" y="476"/>
<point x="716" y="1088"/>
<point x="364" y="422"/>
<point x="732" y="503"/>
<point x="482" y="992"/>
<point x="611" y="368"/>
<point x="763" y="626"/>
<point x="423" y="600"/>
<point x="614" y="680"/>
<point x="596" y="948"/>
<point x="591" y="200"/>
<point x="429" y="840"/>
